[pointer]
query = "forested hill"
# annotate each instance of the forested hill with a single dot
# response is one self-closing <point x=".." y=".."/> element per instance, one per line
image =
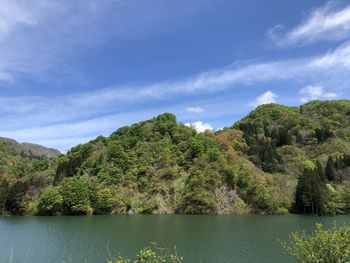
<point x="278" y="159"/>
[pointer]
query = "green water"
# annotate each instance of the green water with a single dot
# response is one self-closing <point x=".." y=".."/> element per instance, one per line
<point x="231" y="238"/>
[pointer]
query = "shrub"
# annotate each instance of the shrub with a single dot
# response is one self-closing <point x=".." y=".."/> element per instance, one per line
<point x="106" y="200"/>
<point x="323" y="246"/>
<point x="50" y="202"/>
<point x="76" y="192"/>
<point x="152" y="254"/>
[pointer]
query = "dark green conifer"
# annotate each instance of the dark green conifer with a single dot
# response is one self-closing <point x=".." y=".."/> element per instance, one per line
<point x="4" y="187"/>
<point x="330" y="169"/>
<point x="320" y="171"/>
<point x="311" y="193"/>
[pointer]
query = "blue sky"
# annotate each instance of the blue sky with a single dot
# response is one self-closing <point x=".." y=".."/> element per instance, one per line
<point x="72" y="70"/>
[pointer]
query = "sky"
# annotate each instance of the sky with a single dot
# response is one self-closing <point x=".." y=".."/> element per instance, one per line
<point x="73" y="70"/>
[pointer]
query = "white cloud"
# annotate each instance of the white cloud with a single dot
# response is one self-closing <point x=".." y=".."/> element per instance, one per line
<point x="194" y="109"/>
<point x="267" y="97"/>
<point x="200" y="126"/>
<point x="337" y="60"/>
<point x="13" y="14"/>
<point x="64" y="135"/>
<point x="333" y="63"/>
<point x="25" y="25"/>
<point x="328" y="23"/>
<point x="316" y="93"/>
<point x="331" y="69"/>
<point x="40" y="37"/>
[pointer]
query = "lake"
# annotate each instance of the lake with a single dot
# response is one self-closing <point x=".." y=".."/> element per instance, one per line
<point x="225" y="238"/>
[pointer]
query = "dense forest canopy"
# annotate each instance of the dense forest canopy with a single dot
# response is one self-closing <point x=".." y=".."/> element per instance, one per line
<point x="276" y="160"/>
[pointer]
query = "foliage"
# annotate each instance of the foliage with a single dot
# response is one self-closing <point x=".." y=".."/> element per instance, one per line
<point x="152" y="254"/>
<point x="50" y="202"/>
<point x="199" y="195"/>
<point x="76" y="193"/>
<point x="107" y="200"/>
<point x="311" y="192"/>
<point x="4" y="188"/>
<point x="15" y="197"/>
<point x="330" y="170"/>
<point x="162" y="166"/>
<point x="323" y="246"/>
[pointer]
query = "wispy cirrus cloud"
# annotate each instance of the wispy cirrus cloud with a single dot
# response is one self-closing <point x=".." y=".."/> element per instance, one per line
<point x="78" y="116"/>
<point x="40" y="38"/>
<point x="196" y="109"/>
<point x="14" y="14"/>
<point x="328" y="23"/>
<point x="331" y="68"/>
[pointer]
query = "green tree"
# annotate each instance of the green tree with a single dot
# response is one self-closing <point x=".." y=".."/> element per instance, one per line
<point x="330" y="169"/>
<point x="116" y="154"/>
<point x="111" y="173"/>
<point x="323" y="134"/>
<point x="335" y="203"/>
<point x="199" y="195"/>
<point x="50" y="202"/>
<point x="152" y="254"/>
<point x="323" y="246"/>
<point x="4" y="188"/>
<point x="311" y="193"/>
<point x="77" y="193"/>
<point x="346" y="160"/>
<point x="15" y="196"/>
<point x="320" y="171"/>
<point x="106" y="200"/>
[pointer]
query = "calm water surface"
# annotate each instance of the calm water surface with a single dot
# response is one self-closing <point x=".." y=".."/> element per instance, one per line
<point x="231" y="238"/>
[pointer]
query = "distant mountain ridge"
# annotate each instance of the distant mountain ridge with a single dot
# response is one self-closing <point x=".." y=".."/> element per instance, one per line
<point x="29" y="149"/>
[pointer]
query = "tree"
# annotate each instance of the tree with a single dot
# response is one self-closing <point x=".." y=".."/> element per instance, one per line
<point x="50" y="202"/>
<point x="320" y="171"/>
<point x="311" y="193"/>
<point x="323" y="134"/>
<point x="338" y="163"/>
<point x="15" y="196"/>
<point x="266" y="153"/>
<point x="4" y="188"/>
<point x="346" y="160"/>
<point x="152" y="254"/>
<point x="67" y="167"/>
<point x="323" y="246"/>
<point x="106" y="200"/>
<point x="330" y="170"/>
<point x="116" y="154"/>
<point x="199" y="195"/>
<point x="77" y="192"/>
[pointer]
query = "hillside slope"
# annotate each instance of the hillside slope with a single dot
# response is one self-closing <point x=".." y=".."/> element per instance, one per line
<point x="24" y="170"/>
<point x="275" y="160"/>
<point x="280" y="138"/>
<point x="160" y="166"/>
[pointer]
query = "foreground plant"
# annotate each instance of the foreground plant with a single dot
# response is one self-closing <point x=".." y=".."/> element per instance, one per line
<point x="323" y="246"/>
<point x="152" y="254"/>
